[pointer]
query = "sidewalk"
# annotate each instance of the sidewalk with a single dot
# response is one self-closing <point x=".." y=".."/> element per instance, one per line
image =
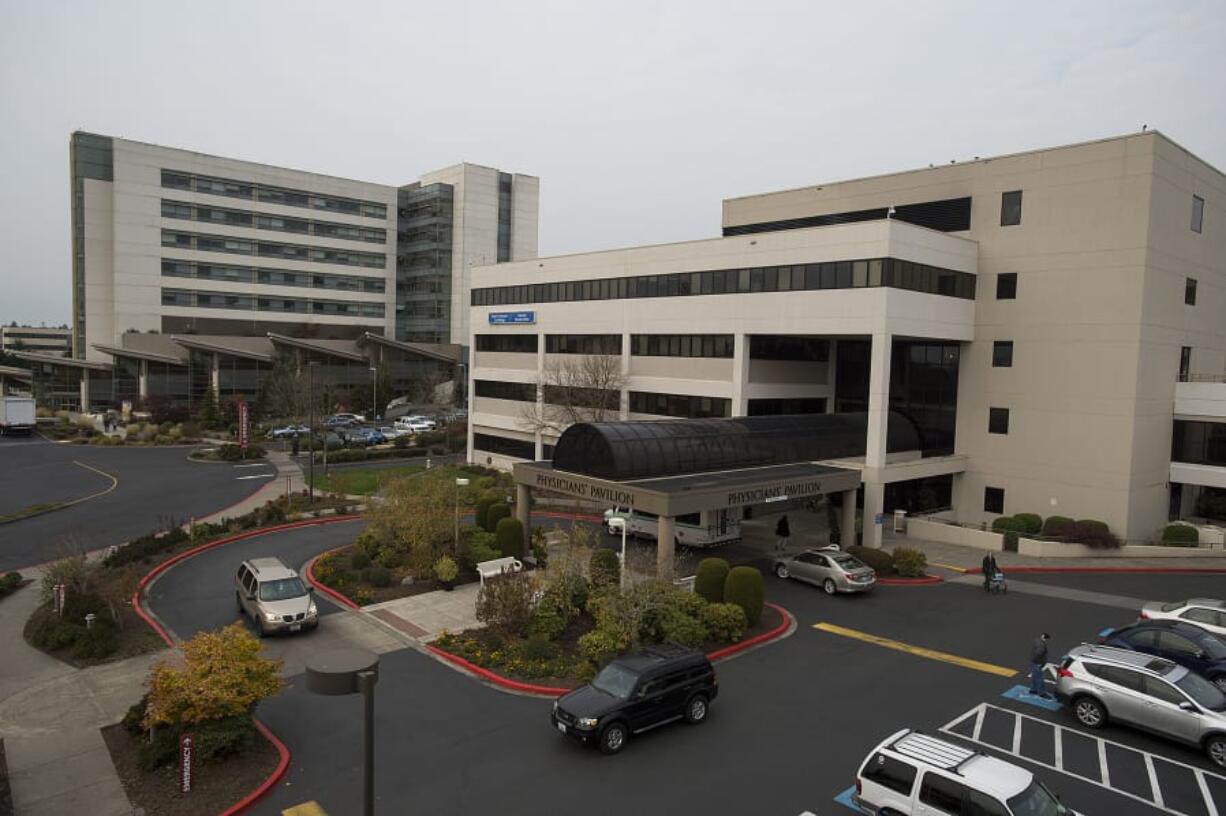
<point x="273" y="489"/>
<point x="50" y="716"/>
<point x="424" y="617"/>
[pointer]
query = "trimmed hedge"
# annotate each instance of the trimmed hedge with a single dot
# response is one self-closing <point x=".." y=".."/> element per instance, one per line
<point x="1006" y="523"/>
<point x="509" y="537"/>
<point x="1180" y="535"/>
<point x="604" y="568"/>
<point x="910" y="563"/>
<point x="745" y="588"/>
<point x="880" y="560"/>
<point x="482" y="508"/>
<point x="496" y="513"/>
<point x="1032" y="523"/>
<point x="138" y="549"/>
<point x="709" y="579"/>
<point x="1053" y="523"/>
<point x="724" y="622"/>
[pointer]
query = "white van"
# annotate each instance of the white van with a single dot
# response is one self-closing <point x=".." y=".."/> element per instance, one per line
<point x="709" y="528"/>
<point x="416" y="424"/>
<point x="913" y="774"/>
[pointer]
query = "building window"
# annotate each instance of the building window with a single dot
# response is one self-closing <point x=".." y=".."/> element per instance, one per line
<point x="503" y="446"/>
<point x="1006" y="286"/>
<point x="496" y="389"/>
<point x="1198" y="213"/>
<point x="679" y="405"/>
<point x="994" y="500"/>
<point x="1002" y="354"/>
<point x="1189" y="291"/>
<point x="998" y="420"/>
<point x="517" y="343"/>
<point x="1011" y="208"/>
<point x="789" y="405"/>
<point x="1199" y="443"/>
<point x="583" y="344"/>
<point x="1185" y="363"/>
<point x="786" y="347"/>
<point x="682" y="345"/>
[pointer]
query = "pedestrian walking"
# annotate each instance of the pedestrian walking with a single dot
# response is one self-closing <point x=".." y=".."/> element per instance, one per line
<point x="782" y="533"/>
<point x="1038" y="660"/>
<point x="989" y="570"/>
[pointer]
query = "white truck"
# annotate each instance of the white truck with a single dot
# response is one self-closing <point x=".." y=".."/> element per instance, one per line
<point x="16" y="415"/>
<point x="706" y="529"/>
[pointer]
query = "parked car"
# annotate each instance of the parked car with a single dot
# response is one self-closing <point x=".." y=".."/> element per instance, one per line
<point x="274" y="597"/>
<point x="1206" y="613"/>
<point x="829" y="568"/>
<point x="288" y="431"/>
<point x="638" y="692"/>
<point x="1184" y="643"/>
<point x="391" y="432"/>
<point x="416" y="424"/>
<point x="910" y="773"/>
<point x="1099" y="683"/>
<point x="363" y="437"/>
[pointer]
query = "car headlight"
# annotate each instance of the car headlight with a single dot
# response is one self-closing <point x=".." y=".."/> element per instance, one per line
<point x="588" y="722"/>
<point x="271" y="617"/>
<point x="311" y="610"/>
<point x="555" y="706"/>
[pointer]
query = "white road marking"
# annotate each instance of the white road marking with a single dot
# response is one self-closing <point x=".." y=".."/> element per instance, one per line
<point x="1059" y="732"/>
<point x="256" y="476"/>
<point x="257" y="464"/>
<point x="1153" y="780"/>
<point x="1102" y="763"/>
<point x="1017" y="733"/>
<point x="1204" y="791"/>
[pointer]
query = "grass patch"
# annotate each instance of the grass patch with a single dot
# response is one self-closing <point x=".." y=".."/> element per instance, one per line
<point x="26" y="512"/>
<point x="362" y="481"/>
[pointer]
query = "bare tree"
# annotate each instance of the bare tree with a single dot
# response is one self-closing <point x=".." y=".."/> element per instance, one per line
<point x="585" y="388"/>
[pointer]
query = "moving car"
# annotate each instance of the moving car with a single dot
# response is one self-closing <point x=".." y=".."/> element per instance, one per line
<point x="1206" y="613"/>
<point x="635" y="693"/>
<point x="274" y="597"/>
<point x="1098" y="683"/>
<point x="829" y="568"/>
<point x="1184" y="643"/>
<point x="289" y="431"/>
<point x="911" y="773"/>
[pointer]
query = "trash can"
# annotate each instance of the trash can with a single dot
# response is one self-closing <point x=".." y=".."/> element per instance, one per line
<point x="900" y="521"/>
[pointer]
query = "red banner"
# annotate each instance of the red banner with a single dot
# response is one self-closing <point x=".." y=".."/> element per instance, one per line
<point x="185" y="762"/>
<point x="242" y="425"/>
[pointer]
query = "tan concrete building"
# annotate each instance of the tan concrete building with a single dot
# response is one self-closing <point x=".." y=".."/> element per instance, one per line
<point x="36" y="338"/>
<point x="1059" y="380"/>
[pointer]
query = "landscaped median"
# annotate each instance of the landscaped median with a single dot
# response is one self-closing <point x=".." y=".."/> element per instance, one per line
<point x="902" y="566"/>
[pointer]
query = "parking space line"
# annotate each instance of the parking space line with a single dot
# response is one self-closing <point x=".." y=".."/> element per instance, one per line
<point x="918" y="651"/>
<point x="1157" y="800"/>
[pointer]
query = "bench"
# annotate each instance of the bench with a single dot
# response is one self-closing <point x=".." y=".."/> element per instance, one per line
<point x="497" y="566"/>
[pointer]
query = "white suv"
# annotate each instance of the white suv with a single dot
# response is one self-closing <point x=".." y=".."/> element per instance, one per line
<point x="913" y="774"/>
<point x="274" y="597"/>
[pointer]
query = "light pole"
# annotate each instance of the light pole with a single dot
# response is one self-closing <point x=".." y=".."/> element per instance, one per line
<point x="625" y="525"/>
<point x="374" y="393"/>
<point x="311" y="432"/>
<point x="461" y="482"/>
<point x="351" y="671"/>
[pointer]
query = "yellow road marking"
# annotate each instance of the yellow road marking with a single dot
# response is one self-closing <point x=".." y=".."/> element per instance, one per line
<point x="950" y="567"/>
<point x="114" y="484"/>
<point x="311" y="808"/>
<point x="919" y="651"/>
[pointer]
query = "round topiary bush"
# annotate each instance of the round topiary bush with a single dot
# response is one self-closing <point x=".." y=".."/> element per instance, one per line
<point x="604" y="568"/>
<point x="709" y="579"/>
<point x="1031" y="523"/>
<point x="909" y="563"/>
<point x="482" y="508"/>
<point x="496" y="513"/>
<point x="1056" y="526"/>
<point x="880" y="560"/>
<point x="509" y="537"/>
<point x="745" y="588"/>
<point x="725" y="622"/>
<point x="1180" y="535"/>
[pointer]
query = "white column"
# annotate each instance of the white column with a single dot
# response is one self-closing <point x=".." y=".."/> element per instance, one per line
<point x="84" y="390"/>
<point x="847" y="523"/>
<point x="538" y="437"/>
<point x="874" y="501"/>
<point x="624" y="397"/>
<point x="215" y="378"/>
<point x="143" y="388"/>
<point x="665" y="548"/>
<point x="875" y="441"/>
<point x="740" y="375"/>
<point x="523" y="511"/>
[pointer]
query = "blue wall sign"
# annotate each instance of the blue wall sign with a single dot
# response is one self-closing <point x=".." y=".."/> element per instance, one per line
<point x="512" y="318"/>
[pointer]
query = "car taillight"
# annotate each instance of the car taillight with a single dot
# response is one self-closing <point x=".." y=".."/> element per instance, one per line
<point x="1143" y="615"/>
<point x="1063" y="672"/>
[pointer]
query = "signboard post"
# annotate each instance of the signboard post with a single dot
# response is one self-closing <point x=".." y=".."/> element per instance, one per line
<point x="243" y="431"/>
<point x="185" y="762"/>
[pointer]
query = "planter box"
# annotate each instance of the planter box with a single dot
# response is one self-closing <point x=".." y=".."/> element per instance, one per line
<point x="946" y="533"/>
<point x="1057" y="549"/>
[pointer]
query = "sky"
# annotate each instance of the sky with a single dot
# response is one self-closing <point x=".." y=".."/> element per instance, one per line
<point x="639" y="118"/>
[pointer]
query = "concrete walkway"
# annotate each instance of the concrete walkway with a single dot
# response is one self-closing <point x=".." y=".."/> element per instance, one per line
<point x="424" y="617"/>
<point x="275" y="488"/>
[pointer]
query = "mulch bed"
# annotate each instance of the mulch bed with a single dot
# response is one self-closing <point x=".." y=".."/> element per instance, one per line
<point x="6" y="794"/>
<point x="215" y="785"/>
<point x="135" y="637"/>
<point x="375" y="595"/>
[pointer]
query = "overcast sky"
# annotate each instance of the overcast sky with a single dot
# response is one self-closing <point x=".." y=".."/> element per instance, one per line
<point x="637" y="117"/>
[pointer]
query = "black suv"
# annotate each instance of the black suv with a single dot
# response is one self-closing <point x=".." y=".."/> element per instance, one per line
<point x="638" y="692"/>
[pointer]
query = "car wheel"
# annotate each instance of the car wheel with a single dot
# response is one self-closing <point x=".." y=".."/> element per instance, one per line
<point x="1215" y="747"/>
<point x="259" y="626"/>
<point x="613" y="738"/>
<point x="781" y="570"/>
<point x="239" y="603"/>
<point x="828" y="587"/>
<point x="696" y="709"/>
<point x="1089" y="712"/>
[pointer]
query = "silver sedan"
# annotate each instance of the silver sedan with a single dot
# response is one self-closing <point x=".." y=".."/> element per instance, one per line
<point x="1206" y="613"/>
<point x="831" y="569"/>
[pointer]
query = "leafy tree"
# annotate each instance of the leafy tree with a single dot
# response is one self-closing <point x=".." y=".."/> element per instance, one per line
<point x="418" y="516"/>
<point x="208" y="414"/>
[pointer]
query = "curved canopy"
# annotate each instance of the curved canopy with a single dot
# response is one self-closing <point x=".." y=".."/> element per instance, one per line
<point x="671" y="447"/>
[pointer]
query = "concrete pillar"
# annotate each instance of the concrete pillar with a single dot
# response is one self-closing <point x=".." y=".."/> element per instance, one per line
<point x="847" y="522"/>
<point x="215" y="377"/>
<point x="624" y="396"/>
<point x="874" y="502"/>
<point x="740" y="375"/>
<point x="84" y="390"/>
<point x="878" y="401"/>
<point x="523" y="511"/>
<point x="666" y="546"/>
<point x="143" y="387"/>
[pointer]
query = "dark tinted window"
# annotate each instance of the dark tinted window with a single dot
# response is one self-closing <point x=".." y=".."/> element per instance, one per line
<point x="1198" y="213"/>
<point x="984" y="805"/>
<point x="1144" y="639"/>
<point x="1006" y="286"/>
<point x="993" y="500"/>
<point x="1002" y="354"/>
<point x="890" y="773"/>
<point x="1171" y="642"/>
<point x="1185" y="363"/>
<point x="1164" y="691"/>
<point x="941" y="793"/>
<point x="1124" y="677"/>
<point x="1201" y="616"/>
<point x="1011" y="208"/>
<point x="1189" y="291"/>
<point x="998" y="420"/>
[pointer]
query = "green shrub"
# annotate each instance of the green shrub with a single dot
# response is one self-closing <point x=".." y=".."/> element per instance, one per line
<point x="880" y="560"/>
<point x="1094" y="524"/>
<point x="1094" y="534"/>
<point x="380" y="576"/>
<point x="909" y="563"/>
<point x="509" y="536"/>
<point x="604" y="569"/>
<point x="390" y="558"/>
<point x="162" y="748"/>
<point x="505" y="603"/>
<point x="1056" y="526"/>
<point x="446" y="569"/>
<point x="497" y="512"/>
<point x="216" y="739"/>
<point x="140" y="549"/>
<point x="538" y="647"/>
<point x="482" y="508"/>
<point x="1177" y="535"/>
<point x="744" y="587"/>
<point x="1032" y="523"/>
<point x="54" y="633"/>
<point x="1006" y="523"/>
<point x="369" y="541"/>
<point x="549" y="619"/>
<point x="600" y="646"/>
<point x="725" y="622"/>
<point x="709" y="579"/>
<point x="480" y="546"/>
<point x="133" y="721"/>
<point x="359" y="559"/>
<point x="98" y="642"/>
<point x="677" y="627"/>
<point x="9" y="583"/>
<point x="228" y="452"/>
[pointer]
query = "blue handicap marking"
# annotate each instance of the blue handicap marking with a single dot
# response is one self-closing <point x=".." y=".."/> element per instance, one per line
<point x="844" y="799"/>
<point x="1023" y="695"/>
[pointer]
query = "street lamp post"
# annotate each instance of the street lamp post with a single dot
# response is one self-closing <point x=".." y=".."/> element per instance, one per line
<point x="311" y="430"/>
<point x="374" y="393"/>
<point x="461" y="482"/>
<point x="351" y="671"/>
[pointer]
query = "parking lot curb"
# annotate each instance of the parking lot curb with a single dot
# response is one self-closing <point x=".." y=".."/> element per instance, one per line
<point x="927" y="580"/>
<point x="309" y="572"/>
<point x="1110" y="570"/>
<point x="137" y="605"/>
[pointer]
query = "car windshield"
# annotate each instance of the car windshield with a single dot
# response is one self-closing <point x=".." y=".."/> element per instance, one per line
<point x="1036" y="800"/>
<point x="1213" y="647"/>
<point x="847" y="562"/>
<point x="1202" y="691"/>
<point x="282" y="589"/>
<point x="616" y="680"/>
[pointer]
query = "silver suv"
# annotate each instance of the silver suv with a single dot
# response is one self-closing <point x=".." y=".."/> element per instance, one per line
<point x="1151" y="693"/>
<point x="274" y="597"/>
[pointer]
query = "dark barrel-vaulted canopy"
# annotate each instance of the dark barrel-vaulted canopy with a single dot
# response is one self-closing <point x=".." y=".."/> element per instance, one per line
<point x="671" y="447"/>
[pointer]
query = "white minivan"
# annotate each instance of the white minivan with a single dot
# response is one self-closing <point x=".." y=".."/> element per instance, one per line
<point x="913" y="774"/>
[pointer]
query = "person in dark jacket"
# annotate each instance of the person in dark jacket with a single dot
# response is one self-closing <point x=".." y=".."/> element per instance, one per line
<point x="989" y="570"/>
<point x="782" y="533"/>
<point x="1038" y="660"/>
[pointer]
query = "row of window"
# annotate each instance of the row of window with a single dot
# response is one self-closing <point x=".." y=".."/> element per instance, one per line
<point x="877" y="272"/>
<point x="224" y="300"/>
<point x="679" y="405"/>
<point x="787" y="405"/>
<point x="504" y="446"/>
<point x="682" y="345"/>
<point x="785" y="347"/>
<point x="269" y="249"/>
<point x="272" y="277"/>
<point x="271" y="195"/>
<point x="610" y="344"/>
<point x="513" y="343"/>
<point x="581" y="397"/>
<point x="497" y="389"/>
<point x="246" y="218"/>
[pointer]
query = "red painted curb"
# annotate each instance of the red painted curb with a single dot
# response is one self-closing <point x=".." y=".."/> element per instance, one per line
<point x="756" y="640"/>
<point x="927" y="580"/>
<point x="309" y="572"/>
<point x="283" y="763"/>
<point x="1110" y="570"/>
